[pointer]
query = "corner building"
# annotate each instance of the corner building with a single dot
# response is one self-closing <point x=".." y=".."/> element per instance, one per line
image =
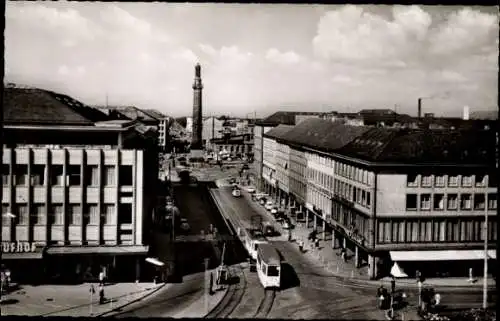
<point x="417" y="198"/>
<point x="77" y="190"/>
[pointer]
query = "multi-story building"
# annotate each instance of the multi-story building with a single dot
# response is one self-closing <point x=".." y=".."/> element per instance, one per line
<point x="276" y="162"/>
<point x="212" y="129"/>
<point x="413" y="197"/>
<point x="266" y="124"/>
<point x="77" y="189"/>
<point x="163" y="128"/>
<point x="148" y="117"/>
<point x="235" y="146"/>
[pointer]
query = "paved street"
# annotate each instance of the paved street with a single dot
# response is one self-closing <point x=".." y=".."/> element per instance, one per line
<point x="309" y="291"/>
<point x="174" y="300"/>
<point x="320" y="287"/>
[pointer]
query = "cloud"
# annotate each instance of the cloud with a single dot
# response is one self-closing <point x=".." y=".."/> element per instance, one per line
<point x="466" y="31"/>
<point x="208" y="49"/>
<point x="352" y="34"/>
<point x="144" y="54"/>
<point x="289" y="57"/>
<point x="186" y="55"/>
<point x="345" y="80"/>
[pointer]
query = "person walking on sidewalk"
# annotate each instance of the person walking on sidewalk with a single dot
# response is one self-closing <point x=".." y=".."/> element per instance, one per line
<point x="343" y="254"/>
<point x="301" y="246"/>
<point x="316" y="243"/>
<point x="101" y="294"/>
<point x="101" y="277"/>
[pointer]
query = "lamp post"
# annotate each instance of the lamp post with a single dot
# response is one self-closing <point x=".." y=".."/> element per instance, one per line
<point x="485" y="276"/>
<point x="404" y="296"/>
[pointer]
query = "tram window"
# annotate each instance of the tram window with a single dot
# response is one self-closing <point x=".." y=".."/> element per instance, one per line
<point x="273" y="271"/>
<point x="264" y="269"/>
<point x="255" y="246"/>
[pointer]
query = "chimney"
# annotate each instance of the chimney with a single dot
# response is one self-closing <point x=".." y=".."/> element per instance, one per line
<point x="419" y="108"/>
<point x="466" y="113"/>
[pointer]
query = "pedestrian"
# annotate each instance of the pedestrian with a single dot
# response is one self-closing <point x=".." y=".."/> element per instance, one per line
<point x="393" y="285"/>
<point x="289" y="235"/>
<point x="211" y="283"/>
<point x="101" y="277"/>
<point x="343" y="254"/>
<point x="316" y="243"/>
<point x="101" y="294"/>
<point x="301" y="245"/>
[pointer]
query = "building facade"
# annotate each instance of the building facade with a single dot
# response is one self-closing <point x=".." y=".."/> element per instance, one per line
<point x="387" y="203"/>
<point x="235" y="146"/>
<point x="76" y="192"/>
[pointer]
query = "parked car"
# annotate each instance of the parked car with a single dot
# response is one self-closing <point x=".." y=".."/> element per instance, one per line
<point x="269" y="205"/>
<point x="250" y="189"/>
<point x="236" y="192"/>
<point x="274" y="210"/>
<point x="245" y="166"/>
<point x="185" y="225"/>
<point x="262" y="201"/>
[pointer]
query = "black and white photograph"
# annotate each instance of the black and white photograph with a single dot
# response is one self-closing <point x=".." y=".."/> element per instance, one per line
<point x="258" y="161"/>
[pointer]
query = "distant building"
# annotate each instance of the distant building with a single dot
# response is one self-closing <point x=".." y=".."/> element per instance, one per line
<point x="237" y="145"/>
<point x="266" y="124"/>
<point x="78" y="189"/>
<point x="212" y="129"/>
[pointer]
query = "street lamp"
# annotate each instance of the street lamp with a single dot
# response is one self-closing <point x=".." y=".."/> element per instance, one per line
<point x="485" y="276"/>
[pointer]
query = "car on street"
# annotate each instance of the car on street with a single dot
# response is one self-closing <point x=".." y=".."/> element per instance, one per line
<point x="262" y="201"/>
<point x="250" y="189"/>
<point x="245" y="166"/>
<point x="274" y="210"/>
<point x="185" y="225"/>
<point x="269" y="205"/>
<point x="236" y="192"/>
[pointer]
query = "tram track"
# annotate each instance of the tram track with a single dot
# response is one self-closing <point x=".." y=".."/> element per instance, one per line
<point x="233" y="296"/>
<point x="266" y="304"/>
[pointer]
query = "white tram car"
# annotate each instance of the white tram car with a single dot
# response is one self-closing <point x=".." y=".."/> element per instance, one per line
<point x="251" y="238"/>
<point x="268" y="266"/>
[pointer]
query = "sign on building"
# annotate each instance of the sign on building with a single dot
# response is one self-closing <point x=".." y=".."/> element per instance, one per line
<point x="18" y="247"/>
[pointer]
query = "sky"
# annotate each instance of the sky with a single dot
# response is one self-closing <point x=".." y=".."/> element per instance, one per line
<point x="257" y="58"/>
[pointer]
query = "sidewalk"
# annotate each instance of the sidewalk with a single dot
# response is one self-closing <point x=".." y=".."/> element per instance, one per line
<point x="73" y="300"/>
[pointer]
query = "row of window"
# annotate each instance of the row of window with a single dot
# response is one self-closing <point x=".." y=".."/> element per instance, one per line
<point x="319" y="200"/>
<point x="427" y="202"/>
<point x="436" y="230"/>
<point x="350" y="218"/>
<point x="73" y="175"/>
<point x="442" y="180"/>
<point x="353" y="173"/>
<point x="90" y="215"/>
<point x="353" y="193"/>
<point x="320" y="178"/>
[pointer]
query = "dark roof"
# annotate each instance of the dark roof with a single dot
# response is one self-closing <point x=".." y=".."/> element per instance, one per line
<point x="377" y="112"/>
<point x="423" y="146"/>
<point x="284" y="117"/>
<point x="38" y="106"/>
<point x="131" y="112"/>
<point x="279" y="132"/>
<point x="322" y="134"/>
<point x="154" y="113"/>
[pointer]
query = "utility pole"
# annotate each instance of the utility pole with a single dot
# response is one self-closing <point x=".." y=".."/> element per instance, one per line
<point x="207" y="285"/>
<point x="485" y="276"/>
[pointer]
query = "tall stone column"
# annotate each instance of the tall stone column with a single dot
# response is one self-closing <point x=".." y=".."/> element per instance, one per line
<point x="196" y="140"/>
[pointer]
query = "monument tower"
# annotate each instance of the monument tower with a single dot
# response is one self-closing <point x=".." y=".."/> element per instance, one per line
<point x="196" y="140"/>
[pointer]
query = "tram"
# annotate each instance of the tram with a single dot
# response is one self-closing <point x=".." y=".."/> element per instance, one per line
<point x="252" y="239"/>
<point x="268" y="266"/>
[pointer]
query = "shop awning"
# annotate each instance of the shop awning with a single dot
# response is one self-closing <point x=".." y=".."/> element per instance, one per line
<point x="109" y="250"/>
<point x="444" y="255"/>
<point x="22" y="256"/>
<point x="155" y="261"/>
